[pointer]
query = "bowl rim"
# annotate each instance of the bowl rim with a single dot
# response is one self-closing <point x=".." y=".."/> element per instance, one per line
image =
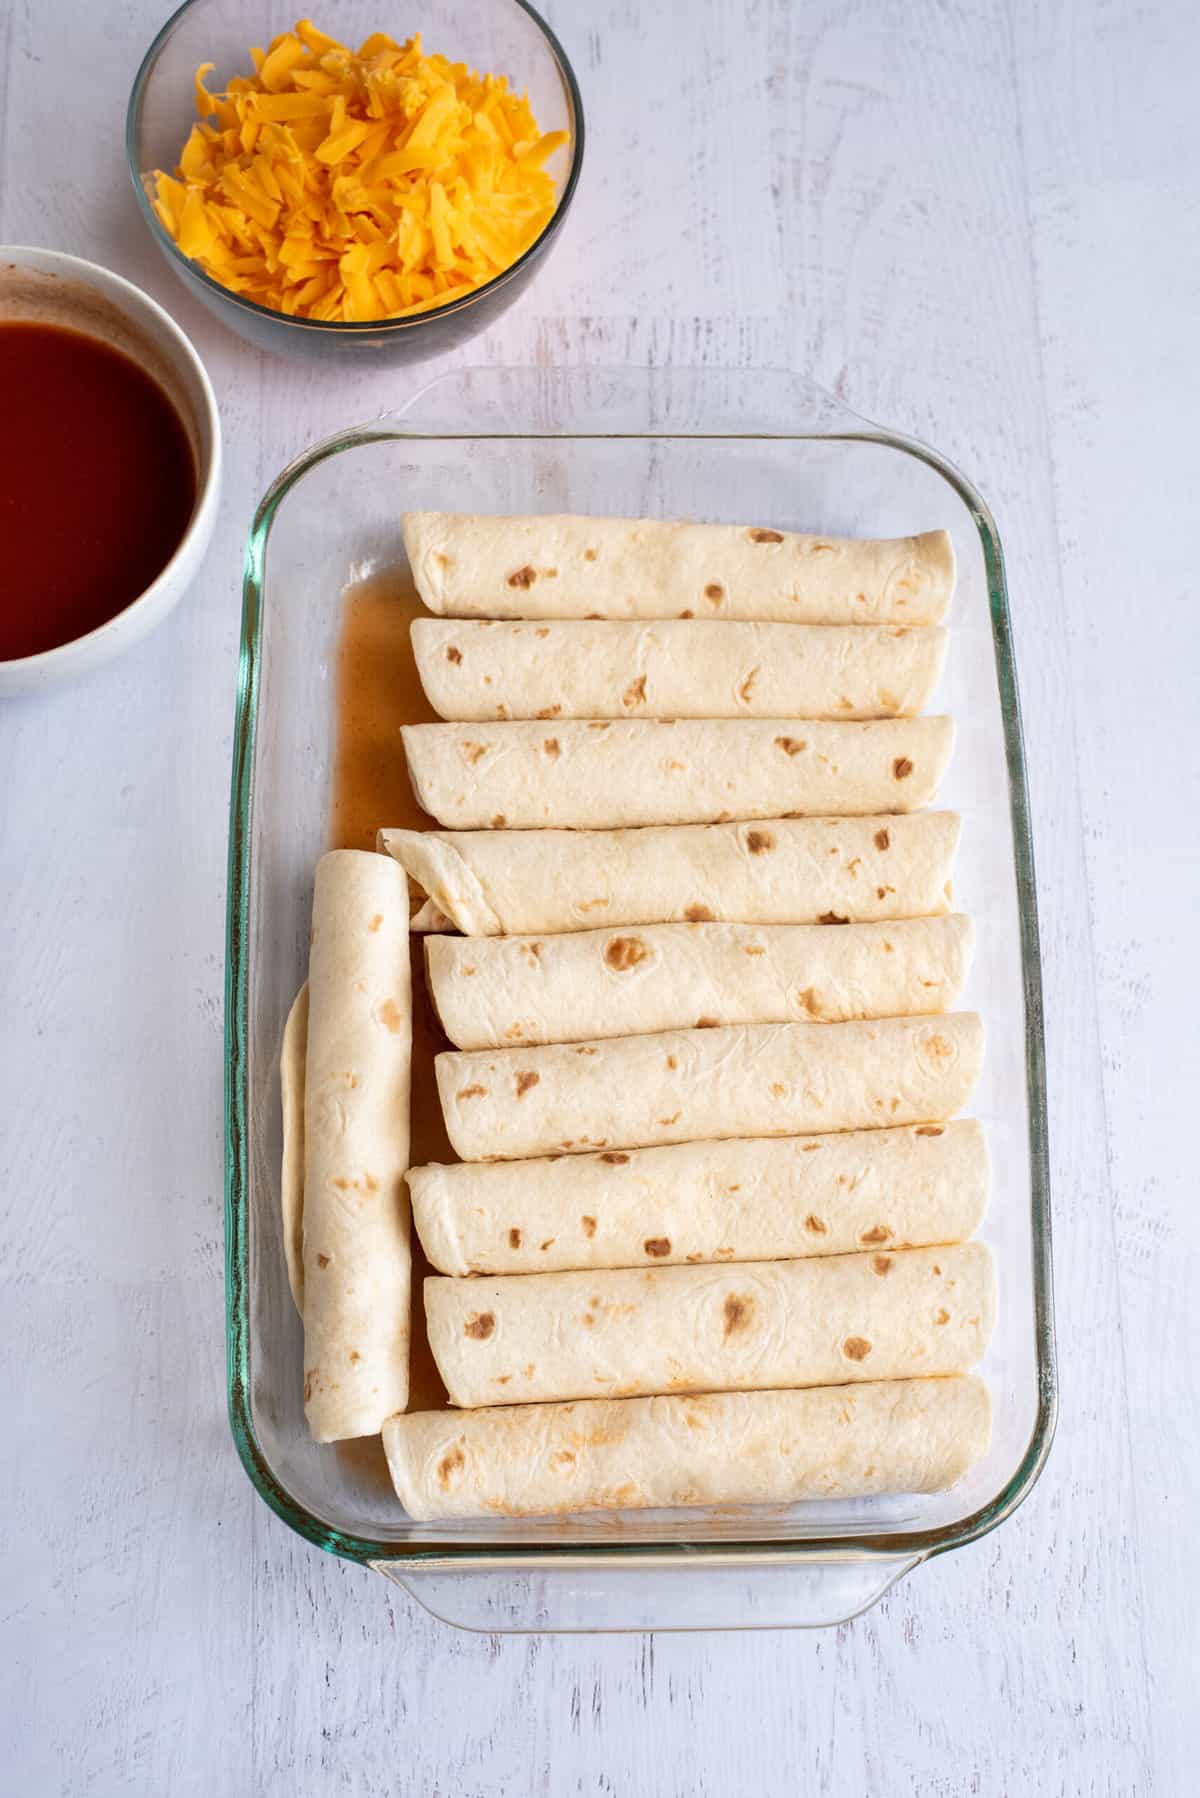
<point x="129" y="298"/>
<point x="354" y="327"/>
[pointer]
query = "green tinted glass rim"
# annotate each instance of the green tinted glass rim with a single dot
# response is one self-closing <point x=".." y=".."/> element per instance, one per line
<point x="475" y="1555"/>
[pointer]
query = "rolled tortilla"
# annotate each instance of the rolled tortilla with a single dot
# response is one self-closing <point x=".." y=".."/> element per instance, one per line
<point x="633" y="1332"/>
<point x="673" y="669"/>
<point x="735" y="1448"/>
<point x="770" y="1199"/>
<point x="782" y="871"/>
<point x="601" y="776"/>
<point x="291" y="1173"/>
<point x="357" y="1256"/>
<point x="707" y="1084"/>
<point x="467" y="566"/>
<point x="587" y="984"/>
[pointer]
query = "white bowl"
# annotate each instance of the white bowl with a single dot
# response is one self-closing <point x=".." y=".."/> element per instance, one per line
<point x="64" y="290"/>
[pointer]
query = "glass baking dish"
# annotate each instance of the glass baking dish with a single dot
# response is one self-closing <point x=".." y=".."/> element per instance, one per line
<point x="762" y="446"/>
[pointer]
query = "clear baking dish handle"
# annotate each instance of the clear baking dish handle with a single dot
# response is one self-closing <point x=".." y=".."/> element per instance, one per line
<point x="585" y="1598"/>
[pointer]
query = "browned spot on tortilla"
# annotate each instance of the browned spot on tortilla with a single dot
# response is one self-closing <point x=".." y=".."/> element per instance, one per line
<point x="888" y="948"/>
<point x="376" y="921"/>
<point x="468" y="968"/>
<point x="816" y="1224"/>
<point x="442" y="560"/>
<point x="550" y="746"/>
<point x="901" y="767"/>
<point x="548" y="1244"/>
<point x="657" y="1246"/>
<point x="549" y="711"/>
<point x="686" y="614"/>
<point x="832" y="917"/>
<point x="937" y="1270"/>
<point x="856" y="1348"/>
<point x="791" y="745"/>
<point x="888" y="701"/>
<point x="672" y="1063"/>
<point x="615" y="1159"/>
<point x="453" y="655"/>
<point x="673" y="1119"/>
<point x="589" y="555"/>
<point x="878" y="1233"/>
<point x="479" y="1325"/>
<point x="550" y="573"/>
<point x="514" y="1239"/>
<point x="525" y="1079"/>
<point x="588" y="1318"/>
<point x="759" y="842"/>
<point x="882" y="839"/>
<point x="524" y="577"/>
<point x="599" y="723"/>
<point x="472" y="752"/>
<point x="881" y="892"/>
<point x="391" y="1017"/>
<point x="809" y="1147"/>
<point x="939" y="1048"/>
<point x="589" y="1226"/>
<point x="714" y="592"/>
<point x="747" y="686"/>
<point x="698" y="914"/>
<point x="499" y="821"/>
<point x="759" y="536"/>
<point x="310" y="1380"/>
<point x="502" y="711"/>
<point x="532" y="950"/>
<point x="635" y="692"/>
<point x="354" y="1357"/>
<point x="449" y="1465"/>
<point x="738" y="1312"/>
<point x="585" y="1049"/>
<point x="778" y="1089"/>
<point x="473" y="1092"/>
<point x="625" y="952"/>
<point x="753" y="949"/>
<point x="941" y="1315"/>
<point x="929" y="1130"/>
<point x="882" y="1264"/>
<point x="564" y="1458"/>
<point x="810" y="1002"/>
<point x="706" y="1023"/>
<point x="852" y="867"/>
<point x="322" y="1260"/>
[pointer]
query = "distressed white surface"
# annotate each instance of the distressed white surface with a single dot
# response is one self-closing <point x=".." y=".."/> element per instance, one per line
<point x="977" y="222"/>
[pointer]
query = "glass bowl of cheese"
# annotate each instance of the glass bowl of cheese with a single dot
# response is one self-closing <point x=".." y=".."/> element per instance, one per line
<point x="378" y="184"/>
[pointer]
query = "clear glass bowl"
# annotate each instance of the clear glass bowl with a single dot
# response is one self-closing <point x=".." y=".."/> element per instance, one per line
<point x="500" y="36"/>
<point x="701" y="444"/>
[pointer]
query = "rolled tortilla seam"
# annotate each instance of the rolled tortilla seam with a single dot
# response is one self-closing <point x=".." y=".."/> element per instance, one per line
<point x="742" y="1448"/>
<point x="707" y="1083"/>
<point x="571" y="566"/>
<point x="474" y="670"/>
<point x="291" y="1175"/>
<point x="608" y="776"/>
<point x="773" y="1198"/>
<point x="779" y="871"/>
<point x="357" y="1252"/>
<point x="584" y="985"/>
<point x="634" y="1332"/>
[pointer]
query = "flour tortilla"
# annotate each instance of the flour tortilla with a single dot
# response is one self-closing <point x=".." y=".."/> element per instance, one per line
<point x="707" y="1084"/>
<point x="774" y="1198"/>
<point x="605" y="776"/>
<point x="734" y="1448"/>
<point x="291" y="1174"/>
<point x="780" y="871"/>
<point x="634" y="1332"/>
<point x="357" y="1256"/>
<point x="586" y="984"/>
<point x="467" y="566"/>
<point x="675" y="669"/>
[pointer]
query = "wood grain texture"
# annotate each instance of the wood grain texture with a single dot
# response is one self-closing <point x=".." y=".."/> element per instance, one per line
<point x="976" y="222"/>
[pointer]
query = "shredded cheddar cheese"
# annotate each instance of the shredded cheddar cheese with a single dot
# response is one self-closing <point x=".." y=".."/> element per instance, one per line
<point x="357" y="185"/>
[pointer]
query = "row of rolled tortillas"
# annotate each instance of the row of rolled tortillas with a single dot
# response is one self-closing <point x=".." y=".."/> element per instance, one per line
<point x="632" y="1332"/>
<point x="777" y="871"/>
<point x="563" y="566"/>
<point x="583" y="668"/>
<point x="602" y="775"/>
<point x="345" y="1077"/>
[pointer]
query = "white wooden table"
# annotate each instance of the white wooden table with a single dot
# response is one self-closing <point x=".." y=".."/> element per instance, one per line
<point x="978" y="222"/>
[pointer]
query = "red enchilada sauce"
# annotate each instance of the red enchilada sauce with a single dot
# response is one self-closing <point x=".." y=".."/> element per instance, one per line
<point x="97" y="485"/>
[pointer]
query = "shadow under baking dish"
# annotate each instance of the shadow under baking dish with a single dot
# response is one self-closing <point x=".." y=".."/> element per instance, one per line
<point x="765" y="447"/>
